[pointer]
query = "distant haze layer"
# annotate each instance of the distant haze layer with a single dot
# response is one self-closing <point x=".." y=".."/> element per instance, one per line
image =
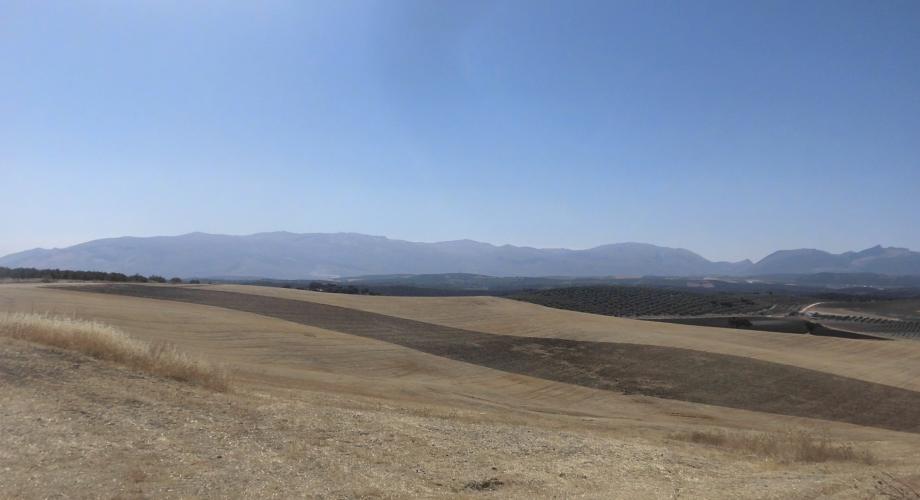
<point x="284" y="255"/>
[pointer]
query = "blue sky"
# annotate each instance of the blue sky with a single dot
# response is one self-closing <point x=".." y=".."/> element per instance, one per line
<point x="729" y="128"/>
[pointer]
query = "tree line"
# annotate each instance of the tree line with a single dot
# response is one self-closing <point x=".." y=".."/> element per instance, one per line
<point x="27" y="273"/>
<point x="330" y="287"/>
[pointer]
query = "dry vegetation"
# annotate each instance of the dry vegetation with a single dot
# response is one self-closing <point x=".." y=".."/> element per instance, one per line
<point x="658" y="371"/>
<point x="73" y="426"/>
<point x="798" y="445"/>
<point x="319" y="413"/>
<point x="108" y="343"/>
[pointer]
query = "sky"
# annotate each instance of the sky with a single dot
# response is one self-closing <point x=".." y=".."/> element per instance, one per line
<point x="729" y="128"/>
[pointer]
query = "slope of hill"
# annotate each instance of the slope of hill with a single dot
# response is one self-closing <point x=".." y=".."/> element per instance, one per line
<point x="342" y="409"/>
<point x="843" y="357"/>
<point x="283" y="255"/>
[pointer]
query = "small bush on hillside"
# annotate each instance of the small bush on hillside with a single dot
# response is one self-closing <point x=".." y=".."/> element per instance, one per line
<point x="740" y="323"/>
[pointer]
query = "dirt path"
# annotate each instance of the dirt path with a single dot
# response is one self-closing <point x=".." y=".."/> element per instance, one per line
<point x="809" y="306"/>
<point x="665" y="372"/>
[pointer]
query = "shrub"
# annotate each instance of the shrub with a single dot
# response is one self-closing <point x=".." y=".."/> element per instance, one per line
<point x="740" y="323"/>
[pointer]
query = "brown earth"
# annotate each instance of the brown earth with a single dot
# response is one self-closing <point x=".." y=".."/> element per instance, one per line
<point x="320" y="413"/>
<point x="889" y="363"/>
<point x="666" y="372"/>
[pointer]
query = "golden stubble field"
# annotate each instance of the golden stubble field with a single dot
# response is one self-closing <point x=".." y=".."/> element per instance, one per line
<point x="323" y="413"/>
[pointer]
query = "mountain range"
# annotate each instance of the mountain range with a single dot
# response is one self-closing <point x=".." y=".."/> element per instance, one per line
<point x="284" y="255"/>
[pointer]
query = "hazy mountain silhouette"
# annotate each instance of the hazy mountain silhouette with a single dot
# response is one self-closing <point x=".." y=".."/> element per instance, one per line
<point x="878" y="259"/>
<point x="324" y="255"/>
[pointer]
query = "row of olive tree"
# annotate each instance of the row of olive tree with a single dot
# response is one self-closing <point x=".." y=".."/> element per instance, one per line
<point x="25" y="273"/>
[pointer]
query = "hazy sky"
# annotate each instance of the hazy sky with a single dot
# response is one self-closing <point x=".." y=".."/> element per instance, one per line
<point x="729" y="128"/>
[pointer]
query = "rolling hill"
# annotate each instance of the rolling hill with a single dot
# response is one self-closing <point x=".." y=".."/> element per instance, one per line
<point x="392" y="397"/>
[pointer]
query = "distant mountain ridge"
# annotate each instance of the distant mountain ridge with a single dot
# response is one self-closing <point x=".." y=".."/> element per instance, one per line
<point x="878" y="259"/>
<point x="283" y="255"/>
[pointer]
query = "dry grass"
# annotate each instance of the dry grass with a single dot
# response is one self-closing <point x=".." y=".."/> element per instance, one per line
<point x="792" y="446"/>
<point x="108" y="343"/>
<point x="659" y="371"/>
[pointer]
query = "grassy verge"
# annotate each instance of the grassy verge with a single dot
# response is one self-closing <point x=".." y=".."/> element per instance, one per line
<point x="793" y="446"/>
<point x="108" y="343"/>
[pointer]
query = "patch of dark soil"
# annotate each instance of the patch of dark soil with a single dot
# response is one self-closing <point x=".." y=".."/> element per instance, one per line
<point x="665" y="372"/>
<point x="19" y="369"/>
<point x="769" y="324"/>
<point x="490" y="484"/>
